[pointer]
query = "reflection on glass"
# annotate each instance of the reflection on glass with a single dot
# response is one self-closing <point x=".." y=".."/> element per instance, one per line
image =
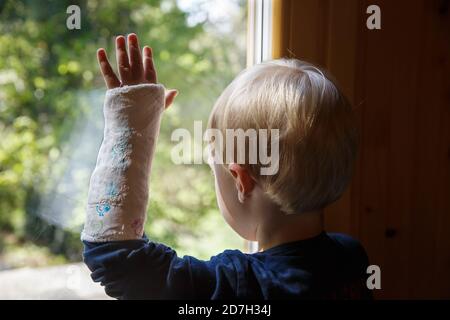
<point x="51" y="123"/>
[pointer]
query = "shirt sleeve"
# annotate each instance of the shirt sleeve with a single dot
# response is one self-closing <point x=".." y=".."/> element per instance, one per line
<point x="142" y="269"/>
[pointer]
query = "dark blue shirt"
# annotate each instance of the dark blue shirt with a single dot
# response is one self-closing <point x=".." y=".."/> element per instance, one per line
<point x="328" y="266"/>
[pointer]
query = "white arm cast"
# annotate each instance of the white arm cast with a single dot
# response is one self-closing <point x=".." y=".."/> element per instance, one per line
<point x="118" y="190"/>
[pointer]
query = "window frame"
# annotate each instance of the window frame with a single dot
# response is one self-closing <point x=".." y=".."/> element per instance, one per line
<point x="259" y="49"/>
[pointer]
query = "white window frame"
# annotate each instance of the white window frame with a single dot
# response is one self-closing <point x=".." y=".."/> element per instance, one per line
<point x="259" y="32"/>
<point x="259" y="48"/>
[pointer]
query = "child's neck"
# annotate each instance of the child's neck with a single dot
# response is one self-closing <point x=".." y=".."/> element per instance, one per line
<point x="275" y="228"/>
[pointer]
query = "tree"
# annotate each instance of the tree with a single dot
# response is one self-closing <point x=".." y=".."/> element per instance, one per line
<point x="48" y="75"/>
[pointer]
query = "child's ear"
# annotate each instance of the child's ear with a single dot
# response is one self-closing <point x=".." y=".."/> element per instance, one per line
<point x="243" y="179"/>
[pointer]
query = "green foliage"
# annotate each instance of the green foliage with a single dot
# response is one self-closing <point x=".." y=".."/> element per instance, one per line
<point x="46" y="71"/>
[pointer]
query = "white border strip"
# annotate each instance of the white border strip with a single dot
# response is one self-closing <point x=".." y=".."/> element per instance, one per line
<point x="259" y="47"/>
<point x="259" y="31"/>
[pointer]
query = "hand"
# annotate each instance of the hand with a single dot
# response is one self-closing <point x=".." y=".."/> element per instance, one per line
<point x="135" y="69"/>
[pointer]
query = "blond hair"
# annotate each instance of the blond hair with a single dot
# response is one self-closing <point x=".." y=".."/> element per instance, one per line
<point x="317" y="133"/>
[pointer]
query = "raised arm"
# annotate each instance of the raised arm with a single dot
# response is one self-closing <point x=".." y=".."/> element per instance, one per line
<point x="118" y="191"/>
<point x="124" y="261"/>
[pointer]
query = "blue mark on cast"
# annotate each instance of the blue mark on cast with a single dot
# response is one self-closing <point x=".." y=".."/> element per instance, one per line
<point x="119" y="149"/>
<point x="111" y="190"/>
<point x="102" y="208"/>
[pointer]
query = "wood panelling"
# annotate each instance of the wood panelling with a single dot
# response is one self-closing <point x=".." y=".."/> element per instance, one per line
<point x="398" y="80"/>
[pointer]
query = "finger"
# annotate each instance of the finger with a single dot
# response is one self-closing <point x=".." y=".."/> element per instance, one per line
<point x="122" y="60"/>
<point x="170" y="96"/>
<point x="149" y="67"/>
<point x="108" y="74"/>
<point x="135" y="57"/>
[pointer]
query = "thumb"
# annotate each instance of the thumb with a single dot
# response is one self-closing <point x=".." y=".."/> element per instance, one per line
<point x="170" y="96"/>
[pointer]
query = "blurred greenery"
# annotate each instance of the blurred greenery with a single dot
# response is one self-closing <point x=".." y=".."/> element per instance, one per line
<point x="48" y="76"/>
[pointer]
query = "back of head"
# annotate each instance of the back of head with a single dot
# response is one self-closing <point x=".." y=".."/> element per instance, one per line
<point x="317" y="133"/>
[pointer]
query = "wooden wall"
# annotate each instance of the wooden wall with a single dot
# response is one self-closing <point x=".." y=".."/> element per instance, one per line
<point x="398" y="79"/>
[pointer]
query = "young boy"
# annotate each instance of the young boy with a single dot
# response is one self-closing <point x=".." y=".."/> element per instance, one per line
<point x="282" y="211"/>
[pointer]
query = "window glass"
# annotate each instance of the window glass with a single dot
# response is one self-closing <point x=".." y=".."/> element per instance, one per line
<point x="51" y="121"/>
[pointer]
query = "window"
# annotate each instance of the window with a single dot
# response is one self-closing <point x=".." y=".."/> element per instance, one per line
<point x="51" y="124"/>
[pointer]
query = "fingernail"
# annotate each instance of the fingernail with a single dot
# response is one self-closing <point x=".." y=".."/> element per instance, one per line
<point x="148" y="51"/>
<point x="120" y="39"/>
